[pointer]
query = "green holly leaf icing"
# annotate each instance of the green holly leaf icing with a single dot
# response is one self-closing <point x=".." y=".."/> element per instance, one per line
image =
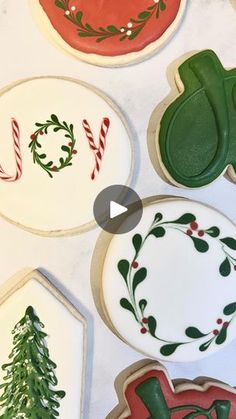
<point x="225" y="267"/>
<point x="54" y="118"/>
<point x="169" y="349"/>
<point x="230" y="242"/>
<point x="162" y="5"/>
<point x="213" y="231"/>
<point x="79" y="17"/>
<point x="152" y="325"/>
<point x="123" y="267"/>
<point x="158" y="217"/>
<point x="127" y="306"/>
<point x="60" y="4"/>
<point x="157" y="232"/>
<point x="142" y="304"/>
<point x="200" y="119"/>
<point x="137" y="242"/>
<point x="194" y="333"/>
<point x="185" y="219"/>
<point x="205" y="345"/>
<point x="144" y="15"/>
<point x="230" y="309"/>
<point x="139" y="277"/>
<point x="221" y="338"/>
<point x="200" y="245"/>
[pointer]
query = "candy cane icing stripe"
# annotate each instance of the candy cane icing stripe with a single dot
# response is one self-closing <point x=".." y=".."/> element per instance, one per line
<point x="18" y="157"/>
<point x="100" y="150"/>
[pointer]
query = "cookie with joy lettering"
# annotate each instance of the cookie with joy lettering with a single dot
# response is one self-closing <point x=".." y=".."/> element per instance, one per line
<point x="192" y="131"/>
<point x="109" y="33"/>
<point x="61" y="143"/>
<point x="167" y="288"/>
<point x="148" y="392"/>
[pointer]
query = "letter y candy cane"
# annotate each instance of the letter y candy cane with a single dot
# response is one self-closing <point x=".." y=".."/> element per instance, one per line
<point x="100" y="150"/>
<point x="18" y="157"/>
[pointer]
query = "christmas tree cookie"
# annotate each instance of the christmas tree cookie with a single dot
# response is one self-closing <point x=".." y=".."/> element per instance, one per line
<point x="109" y="33"/>
<point x="30" y="377"/>
<point x="42" y="373"/>
<point x="148" y="392"/>
<point x="167" y="288"/>
<point x="58" y="151"/>
<point x="194" y="134"/>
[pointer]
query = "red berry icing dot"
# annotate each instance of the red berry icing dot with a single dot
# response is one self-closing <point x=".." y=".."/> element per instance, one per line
<point x="75" y="151"/>
<point x="194" y="225"/>
<point x="201" y="233"/>
<point x="41" y="133"/>
<point x="143" y="330"/>
<point x="235" y="267"/>
<point x="33" y="136"/>
<point x="225" y="325"/>
<point x="54" y="168"/>
<point x="215" y="332"/>
<point x="189" y="232"/>
<point x="135" y="264"/>
<point x="70" y="144"/>
<point x="219" y="321"/>
<point x="145" y="320"/>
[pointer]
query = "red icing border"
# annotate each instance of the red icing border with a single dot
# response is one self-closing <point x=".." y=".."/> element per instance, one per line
<point x="110" y="12"/>
<point x="192" y="396"/>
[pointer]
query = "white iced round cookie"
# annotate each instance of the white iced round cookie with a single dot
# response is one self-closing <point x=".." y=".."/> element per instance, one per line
<point x="169" y="286"/>
<point x="61" y="143"/>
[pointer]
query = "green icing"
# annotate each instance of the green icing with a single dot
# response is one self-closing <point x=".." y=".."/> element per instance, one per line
<point x="30" y="377"/>
<point x="151" y="394"/>
<point x="197" y="138"/>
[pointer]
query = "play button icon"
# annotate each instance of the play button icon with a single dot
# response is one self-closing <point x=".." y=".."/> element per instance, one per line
<point x="118" y="209"/>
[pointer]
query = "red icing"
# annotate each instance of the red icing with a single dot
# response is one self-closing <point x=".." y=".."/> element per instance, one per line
<point x="203" y="399"/>
<point x="102" y="13"/>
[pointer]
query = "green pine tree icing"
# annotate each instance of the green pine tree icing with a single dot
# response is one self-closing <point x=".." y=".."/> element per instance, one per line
<point x="28" y="389"/>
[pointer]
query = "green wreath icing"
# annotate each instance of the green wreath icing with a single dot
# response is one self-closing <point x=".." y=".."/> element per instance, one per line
<point x="134" y="275"/>
<point x="126" y="32"/>
<point x="39" y="158"/>
<point x="197" y="132"/>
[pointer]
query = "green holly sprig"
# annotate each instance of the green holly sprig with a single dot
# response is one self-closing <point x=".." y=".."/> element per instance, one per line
<point x="69" y="148"/>
<point x="134" y="275"/>
<point x="126" y="32"/>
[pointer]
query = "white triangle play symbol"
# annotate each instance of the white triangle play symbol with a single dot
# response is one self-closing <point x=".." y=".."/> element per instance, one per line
<point x="116" y="209"/>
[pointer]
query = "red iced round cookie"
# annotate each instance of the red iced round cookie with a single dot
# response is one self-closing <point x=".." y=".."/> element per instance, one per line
<point x="111" y="29"/>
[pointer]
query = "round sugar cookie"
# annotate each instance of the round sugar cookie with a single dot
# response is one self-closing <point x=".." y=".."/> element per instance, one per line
<point x="110" y="33"/>
<point x="61" y="143"/>
<point x="168" y="288"/>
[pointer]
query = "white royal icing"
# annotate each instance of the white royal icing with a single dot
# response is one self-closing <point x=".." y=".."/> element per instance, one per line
<point x="183" y="288"/>
<point x="64" y="202"/>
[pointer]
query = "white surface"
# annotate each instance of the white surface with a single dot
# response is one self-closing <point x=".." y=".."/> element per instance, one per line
<point x="116" y="209"/>
<point x="137" y="89"/>
<point x="183" y="287"/>
<point x="70" y="333"/>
